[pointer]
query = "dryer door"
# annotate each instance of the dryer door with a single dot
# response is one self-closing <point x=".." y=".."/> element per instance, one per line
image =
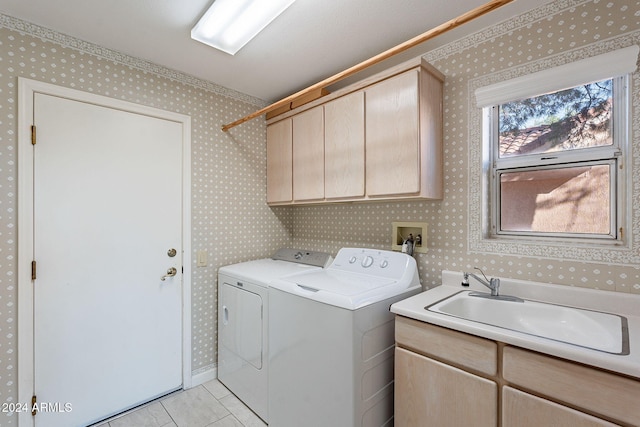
<point x="241" y="323"/>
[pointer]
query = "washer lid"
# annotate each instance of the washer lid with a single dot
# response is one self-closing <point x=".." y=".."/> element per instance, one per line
<point x="343" y="283"/>
<point x="347" y="290"/>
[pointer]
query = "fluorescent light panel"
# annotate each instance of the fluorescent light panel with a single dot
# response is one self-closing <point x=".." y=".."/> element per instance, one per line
<point x="228" y="25"/>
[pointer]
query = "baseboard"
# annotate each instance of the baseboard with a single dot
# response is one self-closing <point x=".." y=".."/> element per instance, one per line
<point x="202" y="376"/>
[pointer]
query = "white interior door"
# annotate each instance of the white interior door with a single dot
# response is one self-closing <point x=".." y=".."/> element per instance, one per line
<point x="107" y="209"/>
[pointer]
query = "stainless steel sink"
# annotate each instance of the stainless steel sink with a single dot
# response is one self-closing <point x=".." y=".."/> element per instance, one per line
<point x="576" y="326"/>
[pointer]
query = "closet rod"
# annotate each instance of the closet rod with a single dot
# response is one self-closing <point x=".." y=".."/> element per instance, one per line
<point x="440" y="29"/>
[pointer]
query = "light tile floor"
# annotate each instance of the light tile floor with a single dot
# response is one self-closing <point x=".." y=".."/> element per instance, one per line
<point x="206" y="405"/>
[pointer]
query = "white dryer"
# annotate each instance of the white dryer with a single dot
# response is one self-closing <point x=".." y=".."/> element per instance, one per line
<point x="331" y="340"/>
<point x="243" y="305"/>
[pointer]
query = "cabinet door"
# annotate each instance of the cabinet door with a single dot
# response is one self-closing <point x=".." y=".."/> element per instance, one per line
<point x="279" y="161"/>
<point x="601" y="392"/>
<point x="521" y="409"/>
<point x="392" y="126"/>
<point x="344" y="147"/>
<point x="308" y="155"/>
<point x="430" y="393"/>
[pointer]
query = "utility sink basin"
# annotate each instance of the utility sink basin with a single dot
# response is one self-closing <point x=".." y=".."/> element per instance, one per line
<point x="576" y="326"/>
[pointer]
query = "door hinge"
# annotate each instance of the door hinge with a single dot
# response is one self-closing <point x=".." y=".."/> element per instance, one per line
<point x="33" y="135"/>
<point x="621" y="233"/>
<point x="33" y="270"/>
<point x="33" y="406"/>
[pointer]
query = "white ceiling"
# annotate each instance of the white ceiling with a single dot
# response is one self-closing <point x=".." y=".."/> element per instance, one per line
<point x="309" y="42"/>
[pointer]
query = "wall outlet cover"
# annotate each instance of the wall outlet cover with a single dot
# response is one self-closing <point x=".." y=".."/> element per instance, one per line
<point x="201" y="259"/>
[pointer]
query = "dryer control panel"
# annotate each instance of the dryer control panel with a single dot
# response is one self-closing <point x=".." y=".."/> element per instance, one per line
<point x="301" y="256"/>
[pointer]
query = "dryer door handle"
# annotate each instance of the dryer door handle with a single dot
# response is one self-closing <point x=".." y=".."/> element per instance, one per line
<point x="225" y="315"/>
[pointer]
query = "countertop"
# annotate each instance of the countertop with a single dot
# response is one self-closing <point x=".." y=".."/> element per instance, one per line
<point x="627" y="305"/>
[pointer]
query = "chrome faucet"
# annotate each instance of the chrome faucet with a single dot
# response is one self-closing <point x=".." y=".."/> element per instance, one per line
<point x="493" y="283"/>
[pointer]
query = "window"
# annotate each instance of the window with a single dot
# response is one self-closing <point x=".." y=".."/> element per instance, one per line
<point x="555" y="147"/>
<point x="555" y="163"/>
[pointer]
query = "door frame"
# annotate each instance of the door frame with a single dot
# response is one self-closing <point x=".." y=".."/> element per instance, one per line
<point x="27" y="88"/>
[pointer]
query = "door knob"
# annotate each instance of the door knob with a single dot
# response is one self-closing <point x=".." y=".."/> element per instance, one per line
<point x="170" y="273"/>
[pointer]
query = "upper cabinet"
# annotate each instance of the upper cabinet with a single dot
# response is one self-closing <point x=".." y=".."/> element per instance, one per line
<point x="344" y="147"/>
<point x="393" y="136"/>
<point x="378" y="139"/>
<point x="279" y="163"/>
<point x="308" y="155"/>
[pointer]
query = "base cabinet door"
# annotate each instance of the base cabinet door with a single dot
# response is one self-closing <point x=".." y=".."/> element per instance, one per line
<point x="431" y="393"/>
<point x="596" y="391"/>
<point x="520" y="409"/>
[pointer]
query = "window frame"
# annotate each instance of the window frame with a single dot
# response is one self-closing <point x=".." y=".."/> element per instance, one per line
<point x="614" y="154"/>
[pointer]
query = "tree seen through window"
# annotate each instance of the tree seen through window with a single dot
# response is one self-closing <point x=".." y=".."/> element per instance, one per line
<point x="570" y="119"/>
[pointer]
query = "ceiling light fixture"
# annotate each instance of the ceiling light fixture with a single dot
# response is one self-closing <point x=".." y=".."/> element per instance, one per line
<point x="230" y="24"/>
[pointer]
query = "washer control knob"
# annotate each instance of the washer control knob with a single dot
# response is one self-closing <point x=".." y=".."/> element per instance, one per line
<point x="298" y="255"/>
<point x="384" y="263"/>
<point x="352" y="260"/>
<point x="367" y="261"/>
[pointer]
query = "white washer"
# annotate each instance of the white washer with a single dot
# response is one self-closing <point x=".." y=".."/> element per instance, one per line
<point x="243" y="322"/>
<point x="331" y="340"/>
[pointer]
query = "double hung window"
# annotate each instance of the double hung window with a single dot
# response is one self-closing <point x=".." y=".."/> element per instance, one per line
<point x="556" y="146"/>
<point x="556" y="162"/>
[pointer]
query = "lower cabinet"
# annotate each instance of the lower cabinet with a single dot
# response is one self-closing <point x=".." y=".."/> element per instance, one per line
<point x="520" y="409"/>
<point x="448" y="378"/>
<point x="431" y="393"/>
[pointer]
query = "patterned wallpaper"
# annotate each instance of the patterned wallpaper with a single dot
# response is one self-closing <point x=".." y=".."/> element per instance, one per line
<point x="229" y="217"/>
<point x="547" y="36"/>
